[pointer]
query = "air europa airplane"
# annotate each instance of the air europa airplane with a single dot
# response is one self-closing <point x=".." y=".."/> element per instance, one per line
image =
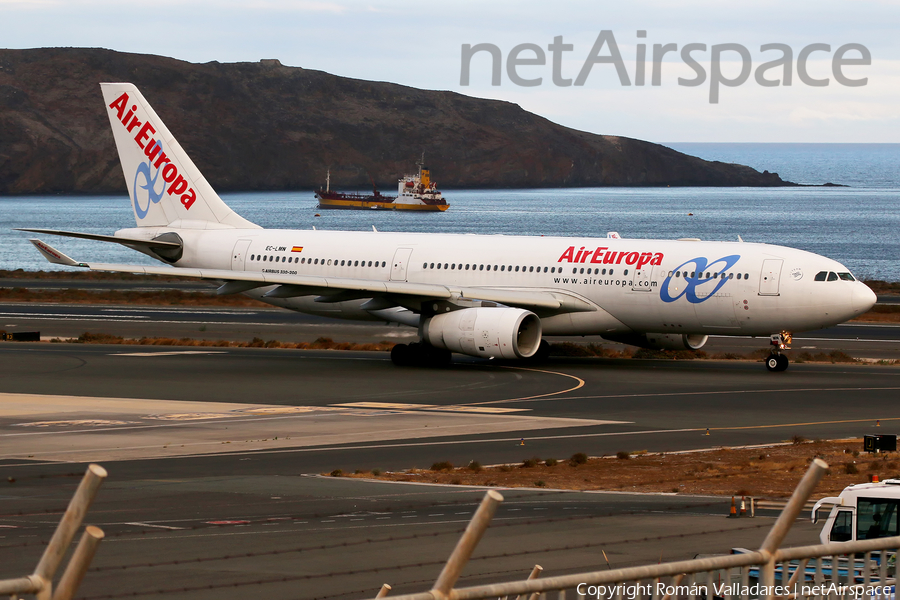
<point x="490" y="296"/>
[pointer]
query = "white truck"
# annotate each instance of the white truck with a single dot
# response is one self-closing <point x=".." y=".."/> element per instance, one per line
<point x="862" y="512"/>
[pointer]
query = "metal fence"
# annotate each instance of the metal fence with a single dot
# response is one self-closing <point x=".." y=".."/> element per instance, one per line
<point x="862" y="570"/>
<point x="40" y="583"/>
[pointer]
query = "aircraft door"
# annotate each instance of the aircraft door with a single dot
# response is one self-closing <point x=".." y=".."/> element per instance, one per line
<point x="642" y="279"/>
<point x="770" y="277"/>
<point x="400" y="264"/>
<point x="239" y="255"/>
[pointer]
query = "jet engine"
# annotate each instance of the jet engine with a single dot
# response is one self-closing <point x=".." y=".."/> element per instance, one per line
<point x="486" y="332"/>
<point x="662" y="341"/>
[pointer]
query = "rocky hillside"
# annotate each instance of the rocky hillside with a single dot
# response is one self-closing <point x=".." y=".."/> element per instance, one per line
<point x="264" y="126"/>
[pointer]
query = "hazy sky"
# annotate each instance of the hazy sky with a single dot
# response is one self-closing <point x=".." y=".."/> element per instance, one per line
<point x="419" y="44"/>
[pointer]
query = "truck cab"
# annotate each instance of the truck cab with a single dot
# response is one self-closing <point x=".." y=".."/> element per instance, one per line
<point x="862" y="512"/>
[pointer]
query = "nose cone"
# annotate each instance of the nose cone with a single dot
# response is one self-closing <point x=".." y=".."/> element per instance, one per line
<point x="863" y="298"/>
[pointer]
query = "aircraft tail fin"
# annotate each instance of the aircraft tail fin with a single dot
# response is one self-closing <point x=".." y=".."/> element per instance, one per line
<point x="165" y="187"/>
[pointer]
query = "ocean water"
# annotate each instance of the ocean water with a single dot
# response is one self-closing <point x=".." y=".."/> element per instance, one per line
<point x="857" y="225"/>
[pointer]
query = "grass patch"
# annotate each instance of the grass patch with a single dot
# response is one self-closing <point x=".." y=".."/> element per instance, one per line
<point x="322" y="343"/>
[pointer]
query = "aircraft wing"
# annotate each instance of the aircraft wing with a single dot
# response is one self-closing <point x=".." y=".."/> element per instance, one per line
<point x="336" y="289"/>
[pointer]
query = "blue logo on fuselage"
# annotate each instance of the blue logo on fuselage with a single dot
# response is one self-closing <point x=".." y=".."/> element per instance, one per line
<point x="150" y="179"/>
<point x="701" y="273"/>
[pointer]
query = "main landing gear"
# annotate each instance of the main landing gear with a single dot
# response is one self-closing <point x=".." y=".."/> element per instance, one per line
<point x="419" y="354"/>
<point x="777" y="361"/>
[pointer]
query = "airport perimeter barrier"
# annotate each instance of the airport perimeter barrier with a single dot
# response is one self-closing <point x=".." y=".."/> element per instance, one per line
<point x="40" y="583"/>
<point x="861" y="570"/>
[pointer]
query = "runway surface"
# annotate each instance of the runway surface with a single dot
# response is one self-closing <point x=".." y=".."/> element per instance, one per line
<point x="214" y="455"/>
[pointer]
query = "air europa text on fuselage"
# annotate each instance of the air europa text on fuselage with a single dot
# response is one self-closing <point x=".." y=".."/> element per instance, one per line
<point x="604" y="257"/>
<point x="153" y="150"/>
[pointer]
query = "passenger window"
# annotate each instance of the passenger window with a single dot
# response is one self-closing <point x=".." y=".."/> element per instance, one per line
<point x="502" y="267"/>
<point x="626" y="272"/>
<point x="842" y="530"/>
<point x="481" y="267"/>
<point x="846" y="277"/>
<point x="832" y="276"/>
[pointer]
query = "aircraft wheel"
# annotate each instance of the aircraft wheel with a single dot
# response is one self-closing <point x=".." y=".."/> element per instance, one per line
<point x="400" y="355"/>
<point x="783" y="362"/>
<point x="437" y="357"/>
<point x="543" y="352"/>
<point x="776" y="363"/>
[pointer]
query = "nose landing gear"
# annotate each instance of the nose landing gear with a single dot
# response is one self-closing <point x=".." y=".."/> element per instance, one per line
<point x="777" y="361"/>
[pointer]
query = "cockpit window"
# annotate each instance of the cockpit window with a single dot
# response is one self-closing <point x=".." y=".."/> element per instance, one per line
<point x="846" y="277"/>
<point x="832" y="276"/>
<point x="821" y="275"/>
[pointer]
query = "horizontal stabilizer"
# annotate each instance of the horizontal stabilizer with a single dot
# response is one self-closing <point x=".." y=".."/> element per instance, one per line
<point x="106" y="238"/>
<point x="53" y="255"/>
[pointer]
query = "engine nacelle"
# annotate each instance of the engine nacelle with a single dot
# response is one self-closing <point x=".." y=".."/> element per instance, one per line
<point x="486" y="332"/>
<point x="662" y="341"/>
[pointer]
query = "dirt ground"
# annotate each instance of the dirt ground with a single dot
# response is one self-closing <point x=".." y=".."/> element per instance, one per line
<point x="761" y="472"/>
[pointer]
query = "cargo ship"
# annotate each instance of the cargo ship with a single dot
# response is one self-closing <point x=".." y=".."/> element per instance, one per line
<point x="414" y="192"/>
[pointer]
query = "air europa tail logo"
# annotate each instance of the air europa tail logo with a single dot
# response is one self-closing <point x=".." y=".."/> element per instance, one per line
<point x="603" y="256"/>
<point x="158" y="165"/>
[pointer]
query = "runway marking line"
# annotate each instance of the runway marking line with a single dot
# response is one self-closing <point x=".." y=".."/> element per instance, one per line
<point x="156" y="526"/>
<point x="465" y="408"/>
<point x="174" y="353"/>
<point x="579" y="385"/>
<point x="721" y="392"/>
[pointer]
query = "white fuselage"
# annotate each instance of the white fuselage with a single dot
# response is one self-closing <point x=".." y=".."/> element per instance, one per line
<point x="636" y="285"/>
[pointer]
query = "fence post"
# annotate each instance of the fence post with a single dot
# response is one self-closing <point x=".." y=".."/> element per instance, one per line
<point x="79" y="563"/>
<point x="466" y="544"/>
<point x="67" y="527"/>
<point x="785" y="520"/>
<point x="535" y="573"/>
<point x="385" y="589"/>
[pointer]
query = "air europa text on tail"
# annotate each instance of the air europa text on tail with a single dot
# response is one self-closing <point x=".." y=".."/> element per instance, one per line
<point x="176" y="183"/>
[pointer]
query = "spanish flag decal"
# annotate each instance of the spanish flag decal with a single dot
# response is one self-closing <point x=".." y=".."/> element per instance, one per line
<point x="297" y="249"/>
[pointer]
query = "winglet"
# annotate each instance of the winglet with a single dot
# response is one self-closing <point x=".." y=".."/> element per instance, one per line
<point x="53" y="255"/>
